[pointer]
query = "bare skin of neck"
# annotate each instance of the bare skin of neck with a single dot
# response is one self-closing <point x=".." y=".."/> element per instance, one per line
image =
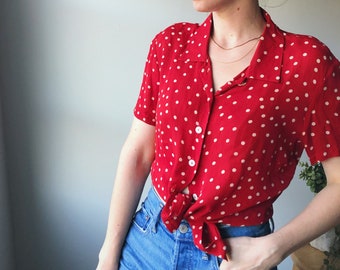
<point x="233" y="25"/>
<point x="237" y="22"/>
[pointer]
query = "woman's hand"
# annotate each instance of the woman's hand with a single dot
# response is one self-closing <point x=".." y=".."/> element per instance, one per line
<point x="104" y="265"/>
<point x="247" y="253"/>
<point x="106" y="260"/>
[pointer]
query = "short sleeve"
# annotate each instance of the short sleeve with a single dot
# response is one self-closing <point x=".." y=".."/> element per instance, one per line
<point x="145" y="108"/>
<point x="322" y="123"/>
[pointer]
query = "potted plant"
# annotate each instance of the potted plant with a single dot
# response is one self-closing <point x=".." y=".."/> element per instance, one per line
<point x="328" y="244"/>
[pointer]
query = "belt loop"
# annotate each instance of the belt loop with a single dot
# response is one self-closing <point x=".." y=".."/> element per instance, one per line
<point x="159" y="206"/>
<point x="157" y="219"/>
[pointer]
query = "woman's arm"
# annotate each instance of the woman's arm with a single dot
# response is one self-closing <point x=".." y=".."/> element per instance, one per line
<point x="321" y="214"/>
<point x="133" y="168"/>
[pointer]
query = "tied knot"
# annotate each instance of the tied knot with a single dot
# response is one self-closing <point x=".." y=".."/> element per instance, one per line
<point x="175" y="209"/>
<point x="209" y="239"/>
<point x="206" y="235"/>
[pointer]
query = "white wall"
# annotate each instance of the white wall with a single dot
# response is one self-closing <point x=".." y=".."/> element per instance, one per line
<point x="82" y="64"/>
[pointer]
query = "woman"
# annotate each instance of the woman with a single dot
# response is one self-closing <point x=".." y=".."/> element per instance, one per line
<point x="224" y="112"/>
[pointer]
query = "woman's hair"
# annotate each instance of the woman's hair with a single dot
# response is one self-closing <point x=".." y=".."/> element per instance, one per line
<point x="272" y="3"/>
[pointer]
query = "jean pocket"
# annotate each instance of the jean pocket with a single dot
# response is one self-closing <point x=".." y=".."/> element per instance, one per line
<point x="142" y="219"/>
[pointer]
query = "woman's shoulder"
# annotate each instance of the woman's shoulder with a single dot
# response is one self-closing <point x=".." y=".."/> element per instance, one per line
<point x="309" y="53"/>
<point x="177" y="33"/>
<point x="306" y="45"/>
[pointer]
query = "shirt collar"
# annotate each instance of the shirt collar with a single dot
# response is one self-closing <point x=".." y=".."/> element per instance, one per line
<point x="268" y="56"/>
<point x="267" y="61"/>
<point x="198" y="43"/>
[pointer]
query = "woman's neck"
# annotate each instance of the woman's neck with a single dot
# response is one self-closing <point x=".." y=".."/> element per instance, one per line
<point x="237" y="23"/>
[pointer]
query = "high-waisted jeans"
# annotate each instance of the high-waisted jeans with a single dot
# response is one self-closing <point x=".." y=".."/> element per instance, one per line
<point x="150" y="246"/>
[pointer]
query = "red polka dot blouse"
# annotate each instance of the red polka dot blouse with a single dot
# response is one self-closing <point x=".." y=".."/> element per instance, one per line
<point x="235" y="149"/>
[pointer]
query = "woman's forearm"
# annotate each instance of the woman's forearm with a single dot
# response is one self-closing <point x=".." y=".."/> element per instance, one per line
<point x="127" y="190"/>
<point x="319" y="216"/>
<point x="132" y="171"/>
<point x="322" y="213"/>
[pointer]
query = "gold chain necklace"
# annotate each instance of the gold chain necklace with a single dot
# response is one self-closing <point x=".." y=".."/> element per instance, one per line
<point x="237" y="60"/>
<point x="237" y="46"/>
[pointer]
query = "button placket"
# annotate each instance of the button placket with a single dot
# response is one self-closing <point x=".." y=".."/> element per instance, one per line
<point x="198" y="130"/>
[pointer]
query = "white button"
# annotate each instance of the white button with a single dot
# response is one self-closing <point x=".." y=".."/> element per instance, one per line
<point x="192" y="163"/>
<point x="198" y="130"/>
<point x="195" y="197"/>
<point x="183" y="228"/>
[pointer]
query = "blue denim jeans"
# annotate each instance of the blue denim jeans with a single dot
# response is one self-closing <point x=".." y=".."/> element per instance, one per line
<point x="150" y="246"/>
